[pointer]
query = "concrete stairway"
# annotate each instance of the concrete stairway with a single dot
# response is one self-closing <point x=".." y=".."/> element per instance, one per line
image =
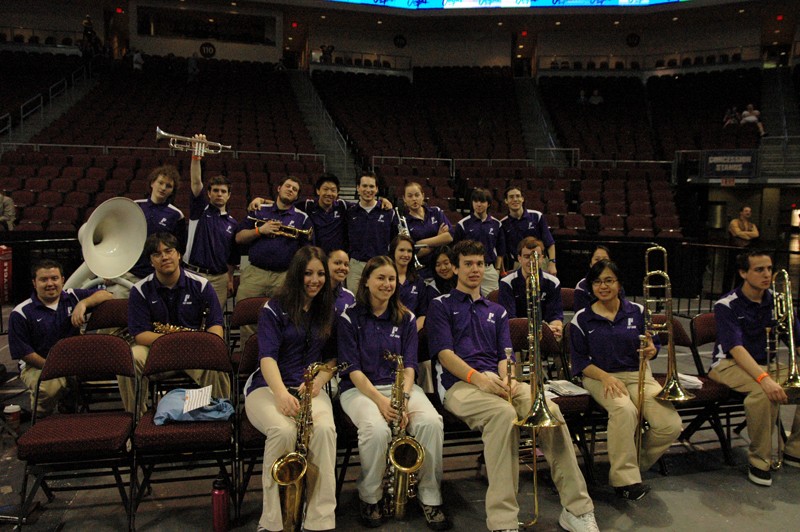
<point x="536" y="129"/>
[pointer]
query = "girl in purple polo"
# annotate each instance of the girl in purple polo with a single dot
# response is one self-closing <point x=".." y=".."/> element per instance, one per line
<point x="583" y="292"/>
<point x="339" y="267"/>
<point x="604" y="340"/>
<point x="411" y="287"/>
<point x="292" y="330"/>
<point x="428" y="225"/>
<point x="378" y="323"/>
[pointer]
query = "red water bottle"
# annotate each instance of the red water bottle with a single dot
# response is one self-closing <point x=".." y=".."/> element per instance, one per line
<point x="220" y="504"/>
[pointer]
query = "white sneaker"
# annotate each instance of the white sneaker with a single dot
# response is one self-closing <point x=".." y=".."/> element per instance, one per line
<point x="579" y="523"/>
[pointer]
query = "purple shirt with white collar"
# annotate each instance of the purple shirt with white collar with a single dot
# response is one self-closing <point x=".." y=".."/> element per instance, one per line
<point x="741" y="321"/>
<point x="160" y="217"/>
<point x="531" y="223"/>
<point x="427" y="227"/>
<point x="344" y="299"/>
<point x="211" y="243"/>
<point x="370" y="233"/>
<point x="477" y="331"/>
<point x="35" y="328"/>
<point x="329" y="226"/>
<point x="412" y="295"/>
<point x="293" y="348"/>
<point x="612" y="346"/>
<point x="182" y="305"/>
<point x="363" y="338"/>
<point x="487" y="232"/>
<point x="513" y="296"/>
<point x="275" y="253"/>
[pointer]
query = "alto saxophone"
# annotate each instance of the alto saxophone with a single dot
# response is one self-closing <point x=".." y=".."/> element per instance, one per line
<point x="404" y="456"/>
<point x="289" y="470"/>
<point x="168" y="328"/>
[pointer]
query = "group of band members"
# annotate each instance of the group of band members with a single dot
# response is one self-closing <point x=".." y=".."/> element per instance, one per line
<point x="310" y="302"/>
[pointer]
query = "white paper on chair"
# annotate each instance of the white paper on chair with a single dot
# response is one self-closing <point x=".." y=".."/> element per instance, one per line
<point x="690" y="382"/>
<point x="562" y="387"/>
<point x="197" y="398"/>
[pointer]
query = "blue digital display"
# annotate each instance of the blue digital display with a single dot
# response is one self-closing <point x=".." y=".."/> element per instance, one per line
<point x="483" y="4"/>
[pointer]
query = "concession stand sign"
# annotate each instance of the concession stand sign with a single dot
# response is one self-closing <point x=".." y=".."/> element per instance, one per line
<point x="729" y="163"/>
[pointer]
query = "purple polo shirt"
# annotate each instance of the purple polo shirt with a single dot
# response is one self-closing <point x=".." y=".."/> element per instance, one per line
<point x="612" y="346"/>
<point x="743" y="322"/>
<point x="329" y="226"/>
<point x="412" y="295"/>
<point x="160" y="217"/>
<point x="514" y="299"/>
<point x="181" y="305"/>
<point x="293" y="348"/>
<point x="370" y="233"/>
<point x="211" y="243"/>
<point x="363" y="338"/>
<point x="477" y="331"/>
<point x="35" y="328"/>
<point x="275" y="253"/>
<point x="428" y="227"/>
<point x="585" y="297"/>
<point x="344" y="299"/>
<point x="432" y="290"/>
<point x="487" y="232"/>
<point x="531" y="223"/>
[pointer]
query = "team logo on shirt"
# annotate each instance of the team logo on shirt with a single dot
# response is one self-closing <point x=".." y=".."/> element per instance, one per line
<point x="630" y="324"/>
<point x="380" y="219"/>
<point x="491" y="230"/>
<point x="394" y="334"/>
<point x="414" y="289"/>
<point x="163" y="222"/>
<point x="335" y="214"/>
<point x="187" y="299"/>
<point x="228" y="229"/>
<point x="530" y="225"/>
<point x="490" y="319"/>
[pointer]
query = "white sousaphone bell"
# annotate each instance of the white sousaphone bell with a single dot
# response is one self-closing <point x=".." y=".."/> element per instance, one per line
<point x="111" y="240"/>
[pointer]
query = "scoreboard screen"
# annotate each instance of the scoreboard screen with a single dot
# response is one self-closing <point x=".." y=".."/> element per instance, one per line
<point x="484" y="4"/>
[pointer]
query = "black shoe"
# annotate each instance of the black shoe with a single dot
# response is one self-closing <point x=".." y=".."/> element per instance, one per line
<point x="791" y="461"/>
<point x="760" y="477"/>
<point x="371" y="516"/>
<point x="632" y="492"/>
<point x="435" y="517"/>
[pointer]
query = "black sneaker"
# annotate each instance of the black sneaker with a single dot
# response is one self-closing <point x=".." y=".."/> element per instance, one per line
<point x="791" y="461"/>
<point x="760" y="477"/>
<point x="435" y="517"/>
<point x="371" y="516"/>
<point x="632" y="492"/>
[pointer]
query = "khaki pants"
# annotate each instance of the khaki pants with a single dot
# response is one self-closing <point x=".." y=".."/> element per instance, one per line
<point x="50" y="391"/>
<point x="220" y="285"/>
<point x="256" y="282"/>
<point x="123" y="292"/>
<point x="491" y="280"/>
<point x="374" y="435"/>
<point x="760" y="412"/>
<point x="664" y="421"/>
<point x="354" y="275"/>
<point x="494" y="417"/>
<point x="220" y="382"/>
<point x="281" y="433"/>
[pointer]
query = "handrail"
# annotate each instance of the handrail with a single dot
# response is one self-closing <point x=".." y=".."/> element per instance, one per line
<point x="5" y="129"/>
<point x="57" y="89"/>
<point x="78" y="75"/>
<point x="25" y="114"/>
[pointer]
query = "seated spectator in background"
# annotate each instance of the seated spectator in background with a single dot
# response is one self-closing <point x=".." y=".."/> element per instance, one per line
<point x="596" y="98"/>
<point x="752" y="115"/>
<point x="192" y="69"/>
<point x="731" y="117"/>
<point x="582" y="99"/>
<point x="36" y="324"/>
<point x="138" y="61"/>
<point x="8" y="213"/>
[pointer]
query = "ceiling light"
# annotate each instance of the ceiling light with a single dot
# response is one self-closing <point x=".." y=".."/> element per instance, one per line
<point x="519" y="56"/>
<point x="674" y="19"/>
<point x="380" y="22"/>
<point x="741" y="11"/>
<point x="323" y="17"/>
<point x="521" y="46"/>
<point x="616" y="23"/>
<point x="499" y="23"/>
<point x="777" y="31"/>
<point x="291" y="38"/>
<point x="558" y="23"/>
<point x="233" y="4"/>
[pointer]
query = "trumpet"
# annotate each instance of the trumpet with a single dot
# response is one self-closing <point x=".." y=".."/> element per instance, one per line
<point x="402" y="228"/>
<point x="284" y="230"/>
<point x="198" y="147"/>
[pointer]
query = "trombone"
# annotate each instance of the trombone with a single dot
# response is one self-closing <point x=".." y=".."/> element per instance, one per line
<point x="284" y="230"/>
<point x="198" y="147"/>
<point x="539" y="415"/>
<point x="784" y="319"/>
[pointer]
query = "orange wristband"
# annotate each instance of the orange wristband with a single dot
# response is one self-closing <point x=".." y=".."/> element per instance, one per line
<point x="469" y="376"/>
<point x="762" y="377"/>
<point x="196" y="158"/>
<point x="258" y="233"/>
